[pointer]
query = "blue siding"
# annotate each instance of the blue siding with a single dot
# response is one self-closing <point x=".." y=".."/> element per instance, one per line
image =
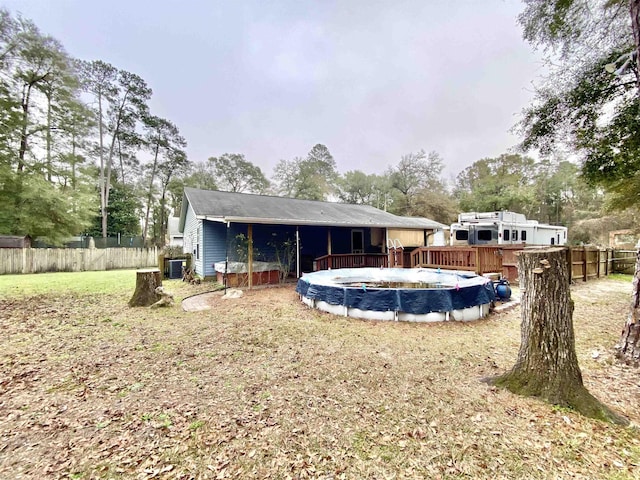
<point x="368" y="248"/>
<point x="216" y="241"/>
<point x="313" y="241"/>
<point x="213" y="246"/>
<point x="235" y="230"/>
<point x="340" y="240"/>
<point x="266" y="238"/>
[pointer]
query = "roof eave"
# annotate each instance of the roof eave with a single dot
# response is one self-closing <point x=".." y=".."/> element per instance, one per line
<point x="280" y="221"/>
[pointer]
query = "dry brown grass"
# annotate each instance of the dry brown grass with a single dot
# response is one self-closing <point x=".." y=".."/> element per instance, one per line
<point x="263" y="387"/>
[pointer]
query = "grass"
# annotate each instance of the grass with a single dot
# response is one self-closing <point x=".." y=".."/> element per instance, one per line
<point x="263" y="387"/>
<point x="621" y="277"/>
<point x="115" y="282"/>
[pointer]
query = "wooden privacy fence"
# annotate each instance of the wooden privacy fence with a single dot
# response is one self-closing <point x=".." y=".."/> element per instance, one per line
<point x="589" y="262"/>
<point x="38" y="260"/>
<point x="624" y="261"/>
<point x="585" y="262"/>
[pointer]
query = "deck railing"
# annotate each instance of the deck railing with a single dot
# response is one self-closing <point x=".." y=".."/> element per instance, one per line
<point x="478" y="259"/>
<point x="585" y="262"/>
<point x="351" y="260"/>
<point x="455" y="258"/>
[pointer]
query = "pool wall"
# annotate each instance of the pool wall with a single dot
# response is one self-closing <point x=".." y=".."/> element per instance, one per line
<point x="460" y="296"/>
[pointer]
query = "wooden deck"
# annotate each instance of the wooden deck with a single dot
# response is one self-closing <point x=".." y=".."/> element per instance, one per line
<point x="480" y="259"/>
<point x="585" y="262"/>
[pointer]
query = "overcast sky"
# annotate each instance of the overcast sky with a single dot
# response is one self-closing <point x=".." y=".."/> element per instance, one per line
<point x="372" y="80"/>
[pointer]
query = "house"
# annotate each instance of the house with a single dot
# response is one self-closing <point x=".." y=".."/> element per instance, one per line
<point x="244" y="228"/>
<point x="15" y="241"/>
<point x="173" y="232"/>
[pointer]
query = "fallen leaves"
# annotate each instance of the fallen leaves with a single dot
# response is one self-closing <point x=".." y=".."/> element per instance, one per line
<point x="93" y="390"/>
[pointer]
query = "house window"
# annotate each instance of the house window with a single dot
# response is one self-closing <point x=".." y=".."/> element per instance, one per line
<point x="515" y="235"/>
<point x="462" y="235"/>
<point x="506" y="235"/>
<point x="523" y="235"/>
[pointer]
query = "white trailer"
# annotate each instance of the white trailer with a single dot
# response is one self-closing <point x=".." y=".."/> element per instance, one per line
<point x="504" y="228"/>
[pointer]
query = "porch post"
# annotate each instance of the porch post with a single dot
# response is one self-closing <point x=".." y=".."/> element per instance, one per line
<point x="297" y="252"/>
<point x="329" y="248"/>
<point x="386" y="248"/>
<point x="250" y="255"/>
<point x="226" y="257"/>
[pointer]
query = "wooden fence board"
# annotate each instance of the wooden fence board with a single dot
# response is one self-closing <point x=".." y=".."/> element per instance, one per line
<point x="38" y="260"/>
<point x="623" y="261"/>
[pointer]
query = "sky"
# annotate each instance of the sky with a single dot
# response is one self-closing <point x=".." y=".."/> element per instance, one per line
<point x="372" y="80"/>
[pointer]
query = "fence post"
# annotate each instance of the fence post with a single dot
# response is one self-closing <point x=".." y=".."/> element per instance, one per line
<point x="477" y="261"/>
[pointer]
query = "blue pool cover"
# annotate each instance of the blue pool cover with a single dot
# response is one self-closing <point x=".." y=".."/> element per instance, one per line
<point x="459" y="291"/>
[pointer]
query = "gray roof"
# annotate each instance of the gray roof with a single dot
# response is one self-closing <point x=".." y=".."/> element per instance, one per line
<point x="249" y="208"/>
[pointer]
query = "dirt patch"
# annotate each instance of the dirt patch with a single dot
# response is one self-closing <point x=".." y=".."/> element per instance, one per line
<point x="220" y="301"/>
<point x="264" y="387"/>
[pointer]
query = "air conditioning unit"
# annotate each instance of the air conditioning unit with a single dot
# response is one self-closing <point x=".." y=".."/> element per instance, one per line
<point x="175" y="269"/>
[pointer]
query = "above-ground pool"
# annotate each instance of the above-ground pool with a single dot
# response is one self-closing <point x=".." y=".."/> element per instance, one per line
<point x="405" y="294"/>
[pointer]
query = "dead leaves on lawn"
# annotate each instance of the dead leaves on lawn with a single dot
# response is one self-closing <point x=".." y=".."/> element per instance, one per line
<point x="262" y="387"/>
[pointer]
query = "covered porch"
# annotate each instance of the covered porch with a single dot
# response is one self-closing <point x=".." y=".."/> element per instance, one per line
<point x="308" y="248"/>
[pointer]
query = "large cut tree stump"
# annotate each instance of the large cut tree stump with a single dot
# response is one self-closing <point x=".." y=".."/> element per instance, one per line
<point x="147" y="281"/>
<point x="547" y="365"/>
<point x="628" y="348"/>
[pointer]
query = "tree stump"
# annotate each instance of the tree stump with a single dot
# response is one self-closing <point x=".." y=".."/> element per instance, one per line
<point x="628" y="348"/>
<point x="147" y="281"/>
<point x="547" y="365"/>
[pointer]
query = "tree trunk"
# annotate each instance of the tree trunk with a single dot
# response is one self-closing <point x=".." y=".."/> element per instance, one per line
<point x="147" y="281"/>
<point x="109" y="165"/>
<point x="24" y="136"/>
<point x="547" y="365"/>
<point x="628" y="348"/>
<point x="634" y="12"/>
<point x="103" y="205"/>
<point x="48" y="136"/>
<point x="145" y="229"/>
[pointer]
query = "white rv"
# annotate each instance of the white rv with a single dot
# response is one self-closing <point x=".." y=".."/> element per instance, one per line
<point x="504" y="228"/>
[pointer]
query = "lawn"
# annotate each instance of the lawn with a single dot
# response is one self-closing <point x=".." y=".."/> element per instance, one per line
<point x="263" y="387"/>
